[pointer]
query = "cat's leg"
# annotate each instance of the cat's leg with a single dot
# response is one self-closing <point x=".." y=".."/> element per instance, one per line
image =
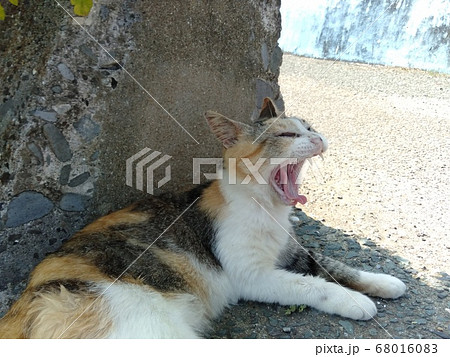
<point x="382" y="285"/>
<point x="316" y="281"/>
<point x="266" y="284"/>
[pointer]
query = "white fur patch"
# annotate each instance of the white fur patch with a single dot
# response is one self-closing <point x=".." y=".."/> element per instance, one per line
<point x="138" y="312"/>
<point x="382" y="285"/>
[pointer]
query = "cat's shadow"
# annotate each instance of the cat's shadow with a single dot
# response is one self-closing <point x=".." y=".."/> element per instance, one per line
<point x="394" y="318"/>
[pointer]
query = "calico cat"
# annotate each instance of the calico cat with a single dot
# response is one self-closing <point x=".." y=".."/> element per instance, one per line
<point x="165" y="266"/>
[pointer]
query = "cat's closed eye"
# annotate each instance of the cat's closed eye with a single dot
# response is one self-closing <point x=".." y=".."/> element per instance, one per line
<point x="289" y="135"/>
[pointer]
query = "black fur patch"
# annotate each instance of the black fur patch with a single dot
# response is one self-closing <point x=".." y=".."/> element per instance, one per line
<point x="71" y="285"/>
<point x="114" y="250"/>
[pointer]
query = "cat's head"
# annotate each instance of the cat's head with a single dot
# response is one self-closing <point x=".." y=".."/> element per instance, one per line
<point x="270" y="152"/>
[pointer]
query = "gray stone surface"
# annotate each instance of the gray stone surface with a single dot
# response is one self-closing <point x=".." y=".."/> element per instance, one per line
<point x="56" y="89"/>
<point x="73" y="202"/>
<point x="58" y="142"/>
<point x="65" y="72"/>
<point x="26" y="207"/>
<point x="47" y="116"/>
<point x="347" y="325"/>
<point x="80" y="179"/>
<point x="87" y="128"/>
<point x="65" y="174"/>
<point x="36" y="151"/>
<point x="61" y="108"/>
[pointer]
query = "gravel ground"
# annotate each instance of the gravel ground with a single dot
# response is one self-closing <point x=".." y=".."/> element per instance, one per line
<point x="379" y="201"/>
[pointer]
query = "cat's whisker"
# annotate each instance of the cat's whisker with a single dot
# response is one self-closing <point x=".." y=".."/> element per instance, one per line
<point x="318" y="169"/>
<point x="310" y="166"/>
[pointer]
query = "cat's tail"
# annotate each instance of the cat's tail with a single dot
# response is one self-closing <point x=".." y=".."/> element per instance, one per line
<point x="13" y="324"/>
<point x="56" y="311"/>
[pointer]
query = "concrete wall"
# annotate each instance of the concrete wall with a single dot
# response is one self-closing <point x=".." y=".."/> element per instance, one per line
<point x="407" y="33"/>
<point x="70" y="116"/>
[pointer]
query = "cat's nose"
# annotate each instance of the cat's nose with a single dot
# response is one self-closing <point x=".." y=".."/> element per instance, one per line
<point x="320" y="140"/>
<point x="316" y="140"/>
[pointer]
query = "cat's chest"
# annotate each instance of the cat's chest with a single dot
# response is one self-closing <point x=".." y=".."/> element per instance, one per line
<point x="251" y="231"/>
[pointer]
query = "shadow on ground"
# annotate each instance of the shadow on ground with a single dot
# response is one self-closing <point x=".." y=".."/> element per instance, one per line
<point x="420" y="313"/>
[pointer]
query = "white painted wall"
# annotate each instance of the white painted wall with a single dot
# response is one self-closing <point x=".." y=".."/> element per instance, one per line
<point x="407" y="33"/>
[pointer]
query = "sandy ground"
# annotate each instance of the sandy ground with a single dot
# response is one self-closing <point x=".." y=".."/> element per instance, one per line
<point x="386" y="175"/>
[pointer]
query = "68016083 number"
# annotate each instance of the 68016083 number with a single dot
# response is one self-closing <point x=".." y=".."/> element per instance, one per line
<point x="406" y="348"/>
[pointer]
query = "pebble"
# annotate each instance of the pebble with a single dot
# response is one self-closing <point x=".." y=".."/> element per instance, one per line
<point x="73" y="202"/>
<point x="104" y="12"/>
<point x="56" y="89"/>
<point x="275" y="59"/>
<point x="287" y="329"/>
<point x="47" y="116"/>
<point x="402" y="260"/>
<point x="312" y="245"/>
<point x="65" y="71"/>
<point x="333" y="246"/>
<point x="27" y="206"/>
<point x="373" y="332"/>
<point x="265" y="55"/>
<point x="353" y="245"/>
<point x="36" y="151"/>
<point x="61" y="108"/>
<point x="88" y="52"/>
<point x="65" y="174"/>
<point x="442" y="295"/>
<point x="58" y="142"/>
<point x="80" y="179"/>
<point x="87" y="128"/>
<point x="348" y="327"/>
<point x="368" y="243"/>
<point x="352" y="255"/>
<point x="95" y="155"/>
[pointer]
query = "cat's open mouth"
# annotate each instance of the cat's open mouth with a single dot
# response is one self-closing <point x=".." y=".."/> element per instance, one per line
<point x="284" y="181"/>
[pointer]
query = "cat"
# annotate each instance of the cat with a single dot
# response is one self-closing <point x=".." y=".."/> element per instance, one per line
<point x="166" y="266"/>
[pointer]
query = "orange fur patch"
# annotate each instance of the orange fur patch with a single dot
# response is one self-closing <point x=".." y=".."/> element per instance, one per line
<point x="12" y="325"/>
<point x="124" y="216"/>
<point x="48" y="314"/>
<point x="244" y="150"/>
<point x="63" y="314"/>
<point x="64" y="268"/>
<point x="212" y="200"/>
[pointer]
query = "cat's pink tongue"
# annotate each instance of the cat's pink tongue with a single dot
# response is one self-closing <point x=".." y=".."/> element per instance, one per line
<point x="291" y="188"/>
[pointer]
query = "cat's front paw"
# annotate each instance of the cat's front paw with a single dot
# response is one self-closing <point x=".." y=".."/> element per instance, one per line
<point x="382" y="285"/>
<point x="347" y="303"/>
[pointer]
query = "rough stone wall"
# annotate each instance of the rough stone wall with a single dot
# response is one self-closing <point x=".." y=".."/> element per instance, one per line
<point x="71" y="115"/>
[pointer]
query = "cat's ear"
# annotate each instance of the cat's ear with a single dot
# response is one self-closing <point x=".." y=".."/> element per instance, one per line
<point x="268" y="110"/>
<point x="226" y="130"/>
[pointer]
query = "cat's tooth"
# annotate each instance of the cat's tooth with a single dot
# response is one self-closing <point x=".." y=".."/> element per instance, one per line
<point x="321" y="156"/>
